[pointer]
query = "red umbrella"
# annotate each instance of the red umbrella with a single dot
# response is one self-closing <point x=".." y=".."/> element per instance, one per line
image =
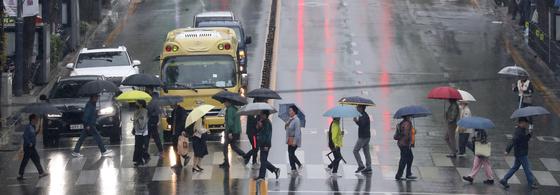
<point x="445" y="93"/>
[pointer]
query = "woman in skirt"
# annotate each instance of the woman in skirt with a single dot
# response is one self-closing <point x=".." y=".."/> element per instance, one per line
<point x="199" y="144"/>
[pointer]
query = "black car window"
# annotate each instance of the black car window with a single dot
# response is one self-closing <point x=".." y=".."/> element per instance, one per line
<point x="67" y="89"/>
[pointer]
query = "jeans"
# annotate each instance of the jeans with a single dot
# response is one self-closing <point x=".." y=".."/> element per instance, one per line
<point x="362" y="144"/>
<point x="521" y="161"/>
<point x="234" y="143"/>
<point x="153" y="132"/>
<point x="93" y="131"/>
<point x="450" y="138"/>
<point x="406" y="161"/>
<point x="265" y="164"/>
<point x="463" y="141"/>
<point x="140" y="149"/>
<point x="292" y="157"/>
<point x="29" y="152"/>
<point x="337" y="158"/>
<point x="478" y="163"/>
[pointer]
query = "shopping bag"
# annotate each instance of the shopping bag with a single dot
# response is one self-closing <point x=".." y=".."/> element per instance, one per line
<point x="482" y="149"/>
<point x="183" y="146"/>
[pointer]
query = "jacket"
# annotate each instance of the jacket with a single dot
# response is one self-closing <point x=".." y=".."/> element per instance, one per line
<point x="335" y="135"/>
<point x="233" y="123"/>
<point x="264" y="133"/>
<point x="520" y="142"/>
<point x="452" y="114"/>
<point x="29" y="135"/>
<point x="407" y="134"/>
<point x="251" y="126"/>
<point x="90" y="115"/>
<point x="293" y="129"/>
<point x="153" y="113"/>
<point x="363" y="126"/>
<point x="464" y="112"/>
<point x="199" y="129"/>
<point x="140" y="123"/>
<point x="177" y="120"/>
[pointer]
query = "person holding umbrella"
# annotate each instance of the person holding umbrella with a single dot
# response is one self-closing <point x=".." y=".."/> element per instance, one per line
<point x="524" y="89"/>
<point x="464" y="133"/>
<point x="232" y="132"/>
<point x="452" y="116"/>
<point x="90" y="121"/>
<point x="363" y="140"/>
<point x="199" y="144"/>
<point x="252" y="136"/>
<point x="154" y="112"/>
<point x="520" y="146"/>
<point x="405" y="136"/>
<point x="140" y="132"/>
<point x="29" y="151"/>
<point x="177" y="121"/>
<point x="293" y="138"/>
<point x="335" y="143"/>
<point x="264" y="132"/>
<point x="480" y="146"/>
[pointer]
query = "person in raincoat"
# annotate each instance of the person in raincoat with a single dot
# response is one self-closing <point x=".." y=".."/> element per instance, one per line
<point x="264" y="132"/>
<point x="405" y="136"/>
<point x="335" y="143"/>
<point x="452" y="116"/>
<point x="199" y="144"/>
<point x="231" y="133"/>
<point x="464" y="133"/>
<point x="140" y="132"/>
<point x="293" y="137"/>
<point x="480" y="161"/>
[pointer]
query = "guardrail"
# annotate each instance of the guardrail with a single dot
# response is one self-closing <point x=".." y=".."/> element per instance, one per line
<point x="548" y="50"/>
<point x="269" y="48"/>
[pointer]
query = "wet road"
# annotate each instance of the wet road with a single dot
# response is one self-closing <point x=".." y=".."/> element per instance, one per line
<point x="393" y="52"/>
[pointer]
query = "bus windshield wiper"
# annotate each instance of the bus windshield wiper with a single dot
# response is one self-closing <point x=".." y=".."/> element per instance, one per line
<point x="186" y="87"/>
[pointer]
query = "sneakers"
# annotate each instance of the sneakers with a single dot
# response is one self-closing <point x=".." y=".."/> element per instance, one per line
<point x="399" y="179"/>
<point x="277" y="173"/>
<point x="246" y="160"/>
<point x="534" y="186"/>
<point x="367" y="171"/>
<point x="335" y="175"/>
<point x="489" y="182"/>
<point x="77" y="155"/>
<point x="452" y="155"/>
<point x="224" y="165"/>
<point x="468" y="178"/>
<point x="412" y="177"/>
<point x="328" y="169"/>
<point x="360" y="169"/>
<point x="107" y="153"/>
<point x="300" y="167"/>
<point x="504" y="183"/>
<point x="20" y="178"/>
<point x="461" y="155"/>
<point x="43" y="175"/>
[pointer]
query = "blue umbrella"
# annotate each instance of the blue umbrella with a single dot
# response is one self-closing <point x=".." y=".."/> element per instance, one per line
<point x="342" y="112"/>
<point x="413" y="111"/>
<point x="529" y="111"/>
<point x="475" y="122"/>
<point x="283" y="113"/>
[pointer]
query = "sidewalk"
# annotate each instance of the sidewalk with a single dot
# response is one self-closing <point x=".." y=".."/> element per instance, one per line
<point x="14" y="119"/>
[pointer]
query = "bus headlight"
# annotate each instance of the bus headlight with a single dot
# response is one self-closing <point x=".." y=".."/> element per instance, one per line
<point x="241" y="54"/>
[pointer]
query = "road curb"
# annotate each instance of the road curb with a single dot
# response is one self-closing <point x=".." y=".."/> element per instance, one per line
<point x="269" y="46"/>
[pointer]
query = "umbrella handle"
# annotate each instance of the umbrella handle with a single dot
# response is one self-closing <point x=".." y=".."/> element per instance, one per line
<point x="520" y="101"/>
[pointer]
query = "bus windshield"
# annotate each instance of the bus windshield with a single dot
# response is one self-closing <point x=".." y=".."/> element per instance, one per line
<point x="194" y="72"/>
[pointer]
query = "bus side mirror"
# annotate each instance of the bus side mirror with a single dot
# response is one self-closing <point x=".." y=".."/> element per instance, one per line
<point x="248" y="40"/>
<point x="156" y="58"/>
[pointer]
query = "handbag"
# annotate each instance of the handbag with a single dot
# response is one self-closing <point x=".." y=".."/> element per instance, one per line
<point x="183" y="146"/>
<point x="482" y="149"/>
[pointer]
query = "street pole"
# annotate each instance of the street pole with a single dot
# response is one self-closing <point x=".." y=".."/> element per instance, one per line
<point x="18" y="77"/>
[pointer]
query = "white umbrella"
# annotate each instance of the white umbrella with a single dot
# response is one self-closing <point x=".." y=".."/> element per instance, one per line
<point x="467" y="97"/>
<point x="513" y="71"/>
<point x="255" y="108"/>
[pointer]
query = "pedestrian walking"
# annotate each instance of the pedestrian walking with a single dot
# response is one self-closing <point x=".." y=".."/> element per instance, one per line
<point x="140" y="132"/>
<point x="264" y="131"/>
<point x="199" y="144"/>
<point x="252" y="136"/>
<point x="90" y="127"/>
<point x="29" y="152"/>
<point x="335" y="143"/>
<point x="232" y="133"/>
<point x="177" y="121"/>
<point x="154" y="112"/>
<point x="524" y="12"/>
<point x="405" y="136"/>
<point x="464" y="133"/>
<point x="363" y="141"/>
<point x="520" y="146"/>
<point x="480" y="161"/>
<point x="524" y="89"/>
<point x="452" y="116"/>
<point x="293" y="138"/>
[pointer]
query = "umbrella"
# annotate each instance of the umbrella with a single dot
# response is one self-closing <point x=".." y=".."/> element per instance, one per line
<point x="513" y="71"/>
<point x="40" y="108"/>
<point x="412" y="111"/>
<point x="466" y="96"/>
<point x="167" y="100"/>
<point x="134" y="95"/>
<point x="234" y="98"/>
<point x="283" y="113"/>
<point x="263" y="93"/>
<point x="475" y="122"/>
<point x="445" y="93"/>
<point x="529" y="111"/>
<point x="198" y="113"/>
<point x="342" y="112"/>
<point x="144" y="80"/>
<point x="356" y="100"/>
<point x="97" y="87"/>
<point x="255" y="108"/>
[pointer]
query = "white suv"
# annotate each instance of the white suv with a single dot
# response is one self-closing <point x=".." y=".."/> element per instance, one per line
<point x="113" y="63"/>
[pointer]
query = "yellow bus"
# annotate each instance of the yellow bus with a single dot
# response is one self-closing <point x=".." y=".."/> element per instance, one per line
<point x="197" y="63"/>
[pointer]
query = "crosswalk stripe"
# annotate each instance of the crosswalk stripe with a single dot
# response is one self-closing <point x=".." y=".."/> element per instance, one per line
<point x="76" y="164"/>
<point x="87" y="177"/>
<point x="238" y="171"/>
<point x="502" y="172"/>
<point x="545" y="178"/>
<point x="551" y="164"/>
<point x="315" y="172"/>
<point x="218" y="158"/>
<point x="163" y="174"/>
<point x="204" y="175"/>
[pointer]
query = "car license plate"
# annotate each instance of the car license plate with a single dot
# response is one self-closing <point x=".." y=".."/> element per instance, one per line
<point x="76" y="127"/>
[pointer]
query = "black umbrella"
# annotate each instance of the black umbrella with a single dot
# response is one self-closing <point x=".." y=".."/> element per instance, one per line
<point x="356" y="100"/>
<point x="143" y="80"/>
<point x="529" y="111"/>
<point x="167" y="100"/>
<point x="264" y="93"/>
<point x="234" y="98"/>
<point x="97" y="87"/>
<point x="412" y="111"/>
<point x="40" y="108"/>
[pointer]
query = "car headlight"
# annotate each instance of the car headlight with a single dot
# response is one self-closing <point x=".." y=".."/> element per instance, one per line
<point x="241" y="54"/>
<point x="54" y="115"/>
<point x="107" y="111"/>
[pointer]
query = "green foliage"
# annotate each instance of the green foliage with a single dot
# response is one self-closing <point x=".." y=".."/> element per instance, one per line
<point x="56" y="48"/>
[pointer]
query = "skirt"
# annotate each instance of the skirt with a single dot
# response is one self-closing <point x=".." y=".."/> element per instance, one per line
<point x="199" y="147"/>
